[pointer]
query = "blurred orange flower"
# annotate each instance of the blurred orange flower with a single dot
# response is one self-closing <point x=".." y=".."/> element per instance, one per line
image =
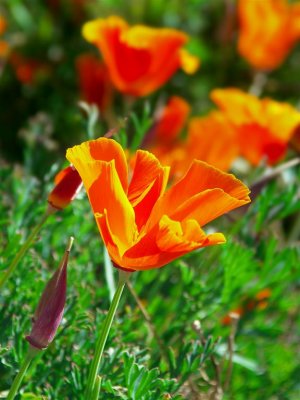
<point x="28" y="70"/>
<point x="211" y="139"/>
<point x="94" y="81"/>
<point x="259" y="302"/>
<point x="3" y="24"/>
<point x="140" y="59"/>
<point x="171" y="120"/>
<point x="268" y="31"/>
<point x="264" y="127"/>
<point x="4" y="47"/>
<point x="142" y="225"/>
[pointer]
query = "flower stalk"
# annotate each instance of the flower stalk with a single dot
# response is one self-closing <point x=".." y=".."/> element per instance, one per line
<point x="93" y="381"/>
<point x="19" y="377"/>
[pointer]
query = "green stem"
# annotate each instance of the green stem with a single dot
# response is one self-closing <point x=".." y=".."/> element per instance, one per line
<point x="24" y="248"/>
<point x="19" y="378"/>
<point x="97" y="388"/>
<point x="109" y="274"/>
<point x="90" y="388"/>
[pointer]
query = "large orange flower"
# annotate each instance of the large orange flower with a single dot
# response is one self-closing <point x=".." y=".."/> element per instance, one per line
<point x="268" y="31"/>
<point x="142" y="225"/>
<point x="264" y="127"/>
<point x="140" y="59"/>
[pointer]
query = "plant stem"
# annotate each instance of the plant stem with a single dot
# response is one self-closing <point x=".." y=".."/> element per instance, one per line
<point x="97" y="388"/>
<point x="231" y="339"/>
<point x="25" y="247"/>
<point x="19" y="378"/>
<point x="109" y="274"/>
<point x="94" y="369"/>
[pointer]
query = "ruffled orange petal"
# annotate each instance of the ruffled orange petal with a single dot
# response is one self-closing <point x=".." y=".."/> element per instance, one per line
<point x="174" y="236"/>
<point x="83" y="158"/>
<point x="167" y="241"/>
<point x="147" y="184"/>
<point x="104" y="187"/>
<point x="199" y="178"/>
<point x="106" y="193"/>
<point x="207" y="206"/>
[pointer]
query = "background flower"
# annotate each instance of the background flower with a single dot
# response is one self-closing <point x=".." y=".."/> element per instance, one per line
<point x="264" y="127"/>
<point x="140" y="59"/>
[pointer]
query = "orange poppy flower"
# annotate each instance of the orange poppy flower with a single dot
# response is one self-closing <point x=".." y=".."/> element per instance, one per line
<point x="264" y="127"/>
<point x="171" y="120"/>
<point x="211" y="139"/>
<point x="162" y="139"/>
<point x="94" y="81"/>
<point x="259" y="302"/>
<point x="142" y="225"/>
<point x="27" y="69"/>
<point x="268" y="31"/>
<point x="67" y="185"/>
<point x="140" y="59"/>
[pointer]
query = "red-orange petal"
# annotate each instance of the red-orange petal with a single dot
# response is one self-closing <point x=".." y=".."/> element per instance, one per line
<point x="199" y="178"/>
<point x="84" y="157"/>
<point x="67" y="185"/>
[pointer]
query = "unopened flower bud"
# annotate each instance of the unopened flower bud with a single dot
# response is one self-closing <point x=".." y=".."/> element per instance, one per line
<point x="50" y="309"/>
<point x="67" y="185"/>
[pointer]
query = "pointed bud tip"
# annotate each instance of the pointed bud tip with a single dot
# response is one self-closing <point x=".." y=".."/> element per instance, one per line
<point x="70" y="244"/>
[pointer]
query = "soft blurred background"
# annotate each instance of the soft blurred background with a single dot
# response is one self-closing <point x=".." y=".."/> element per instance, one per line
<point x="250" y="353"/>
<point x="40" y="84"/>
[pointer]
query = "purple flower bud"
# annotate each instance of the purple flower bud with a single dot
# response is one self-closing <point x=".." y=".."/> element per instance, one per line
<point x="50" y="309"/>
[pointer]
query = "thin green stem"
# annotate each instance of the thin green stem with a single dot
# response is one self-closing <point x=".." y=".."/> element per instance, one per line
<point x="24" y="248"/>
<point x="97" y="388"/>
<point x="109" y="274"/>
<point x="94" y="369"/>
<point x="19" y="378"/>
